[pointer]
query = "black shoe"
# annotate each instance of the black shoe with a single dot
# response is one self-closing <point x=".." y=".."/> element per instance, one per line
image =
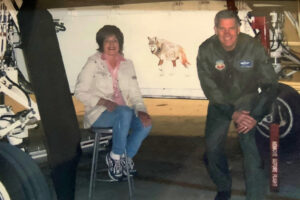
<point x="114" y="168"/>
<point x="131" y="168"/>
<point x="224" y="195"/>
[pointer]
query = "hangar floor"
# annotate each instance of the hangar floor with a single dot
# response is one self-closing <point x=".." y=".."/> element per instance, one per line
<point x="170" y="161"/>
<point x="171" y="167"/>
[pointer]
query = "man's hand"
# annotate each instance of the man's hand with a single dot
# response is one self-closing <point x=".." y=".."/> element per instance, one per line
<point x="110" y="105"/>
<point x="145" y="118"/>
<point x="243" y="121"/>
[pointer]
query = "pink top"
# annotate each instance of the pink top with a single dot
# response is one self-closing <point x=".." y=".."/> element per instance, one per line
<point x="117" y="96"/>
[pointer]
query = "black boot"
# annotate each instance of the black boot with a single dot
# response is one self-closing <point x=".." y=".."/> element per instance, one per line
<point x="223" y="195"/>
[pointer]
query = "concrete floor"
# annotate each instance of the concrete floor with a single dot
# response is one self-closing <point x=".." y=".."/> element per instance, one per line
<point x="171" y="167"/>
<point x="170" y="161"/>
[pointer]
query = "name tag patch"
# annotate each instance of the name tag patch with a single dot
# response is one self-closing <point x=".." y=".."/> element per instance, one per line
<point x="246" y="64"/>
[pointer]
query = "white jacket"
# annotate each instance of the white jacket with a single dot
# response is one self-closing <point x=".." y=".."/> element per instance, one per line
<point x="95" y="82"/>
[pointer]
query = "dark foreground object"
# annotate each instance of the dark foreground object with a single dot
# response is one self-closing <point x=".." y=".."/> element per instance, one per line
<point x="51" y="89"/>
<point x="21" y="177"/>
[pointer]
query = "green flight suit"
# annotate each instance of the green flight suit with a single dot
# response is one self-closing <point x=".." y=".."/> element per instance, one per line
<point x="241" y="79"/>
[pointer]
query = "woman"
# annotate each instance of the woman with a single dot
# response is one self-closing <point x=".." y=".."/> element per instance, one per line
<point x="108" y="88"/>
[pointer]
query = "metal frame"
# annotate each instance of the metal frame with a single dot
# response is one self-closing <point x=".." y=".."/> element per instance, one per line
<point x="99" y="133"/>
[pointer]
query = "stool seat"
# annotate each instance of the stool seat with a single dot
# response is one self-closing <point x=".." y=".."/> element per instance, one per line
<point x="98" y="146"/>
<point x="88" y="136"/>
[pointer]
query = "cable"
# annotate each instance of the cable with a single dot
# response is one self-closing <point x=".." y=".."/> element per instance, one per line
<point x="16" y="85"/>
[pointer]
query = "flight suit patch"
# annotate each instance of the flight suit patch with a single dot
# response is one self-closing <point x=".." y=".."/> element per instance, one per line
<point x="246" y="64"/>
<point x="220" y="65"/>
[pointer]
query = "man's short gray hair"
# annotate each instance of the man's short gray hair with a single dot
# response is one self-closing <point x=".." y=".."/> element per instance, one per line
<point x="226" y="14"/>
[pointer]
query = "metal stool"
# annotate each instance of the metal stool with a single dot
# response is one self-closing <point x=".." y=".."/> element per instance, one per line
<point x="98" y="141"/>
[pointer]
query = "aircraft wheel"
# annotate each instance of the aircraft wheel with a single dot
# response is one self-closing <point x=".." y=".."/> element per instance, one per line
<point x="288" y="108"/>
<point x="20" y="177"/>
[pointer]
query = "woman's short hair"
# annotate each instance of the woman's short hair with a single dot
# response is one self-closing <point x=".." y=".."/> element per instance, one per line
<point x="225" y="14"/>
<point x="106" y="31"/>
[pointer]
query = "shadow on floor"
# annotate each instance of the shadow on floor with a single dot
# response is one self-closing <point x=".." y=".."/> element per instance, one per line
<point x="171" y="167"/>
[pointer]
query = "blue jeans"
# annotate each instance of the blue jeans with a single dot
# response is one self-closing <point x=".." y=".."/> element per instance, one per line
<point x="128" y="130"/>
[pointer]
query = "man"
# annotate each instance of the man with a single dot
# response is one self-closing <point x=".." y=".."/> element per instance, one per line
<point x="237" y="77"/>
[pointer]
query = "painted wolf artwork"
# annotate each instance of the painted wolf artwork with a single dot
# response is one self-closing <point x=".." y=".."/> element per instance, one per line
<point x="168" y="51"/>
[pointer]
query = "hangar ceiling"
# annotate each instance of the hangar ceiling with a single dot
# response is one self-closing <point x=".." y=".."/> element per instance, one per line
<point x="257" y="4"/>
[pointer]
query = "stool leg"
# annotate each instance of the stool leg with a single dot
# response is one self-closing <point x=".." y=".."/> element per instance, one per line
<point x="94" y="165"/>
<point x="129" y="178"/>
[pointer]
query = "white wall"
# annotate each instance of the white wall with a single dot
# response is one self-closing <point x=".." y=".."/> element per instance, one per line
<point x="187" y="23"/>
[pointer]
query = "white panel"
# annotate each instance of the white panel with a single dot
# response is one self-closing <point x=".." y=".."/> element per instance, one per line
<point x="187" y="24"/>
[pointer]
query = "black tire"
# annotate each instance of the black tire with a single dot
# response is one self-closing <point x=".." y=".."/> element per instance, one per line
<point x="288" y="102"/>
<point x="20" y="177"/>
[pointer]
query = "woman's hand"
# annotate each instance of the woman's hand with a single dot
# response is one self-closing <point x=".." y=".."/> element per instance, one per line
<point x="145" y="118"/>
<point x="110" y="105"/>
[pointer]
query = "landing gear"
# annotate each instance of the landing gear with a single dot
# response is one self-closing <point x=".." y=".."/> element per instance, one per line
<point x="288" y="111"/>
<point x="20" y="177"/>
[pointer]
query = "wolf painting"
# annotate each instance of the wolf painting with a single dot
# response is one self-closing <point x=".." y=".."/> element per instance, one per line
<point x="166" y="50"/>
